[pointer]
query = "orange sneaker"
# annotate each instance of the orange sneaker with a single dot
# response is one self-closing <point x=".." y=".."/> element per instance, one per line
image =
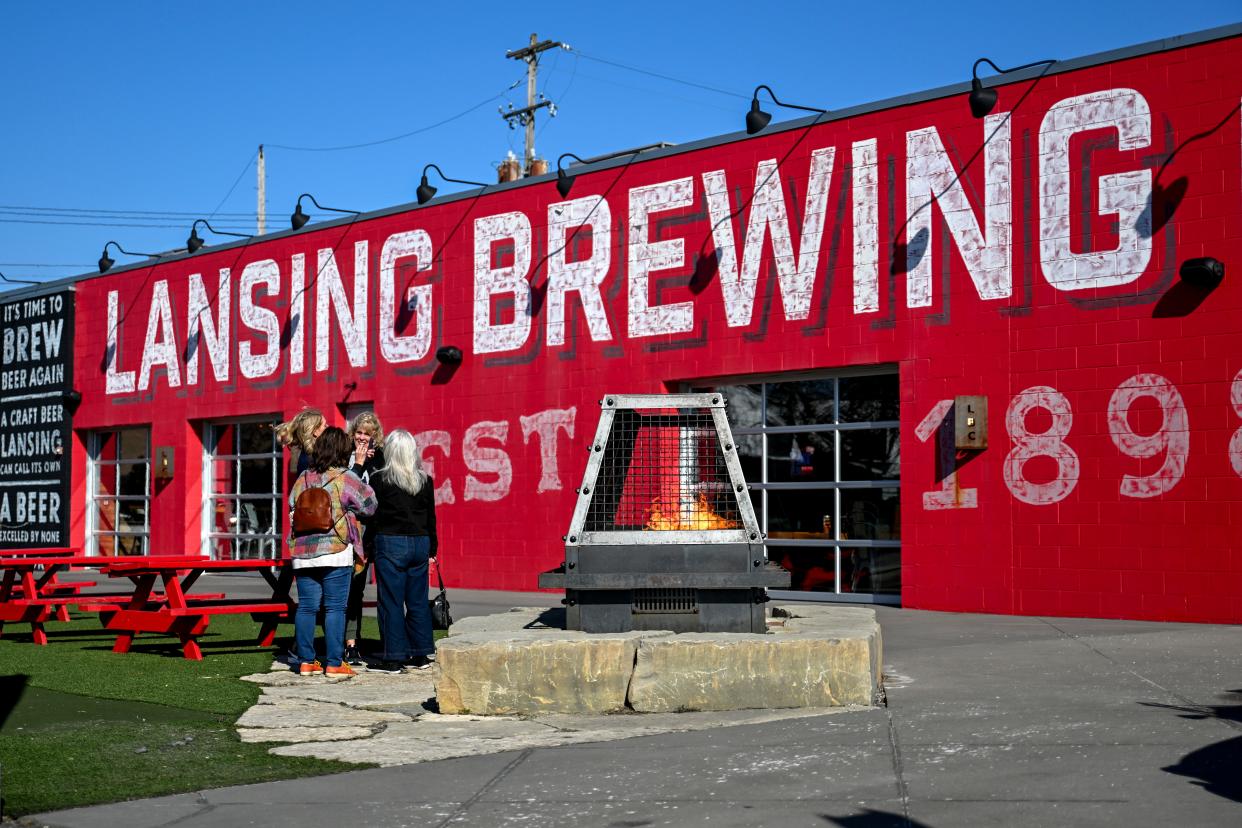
<point x="313" y="668"/>
<point x="341" y="669"/>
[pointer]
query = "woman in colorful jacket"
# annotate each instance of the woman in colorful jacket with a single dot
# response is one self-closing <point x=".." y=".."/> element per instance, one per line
<point x="324" y="561"/>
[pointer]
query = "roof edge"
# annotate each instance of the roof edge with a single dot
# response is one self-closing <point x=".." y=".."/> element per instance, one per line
<point x="1123" y="53"/>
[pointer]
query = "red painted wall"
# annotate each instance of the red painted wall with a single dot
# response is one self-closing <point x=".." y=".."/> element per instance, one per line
<point x="1122" y="527"/>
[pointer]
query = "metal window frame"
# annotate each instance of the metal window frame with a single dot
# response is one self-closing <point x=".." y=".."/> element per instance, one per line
<point x="836" y="428"/>
<point x="94" y="440"/>
<point x="210" y="536"/>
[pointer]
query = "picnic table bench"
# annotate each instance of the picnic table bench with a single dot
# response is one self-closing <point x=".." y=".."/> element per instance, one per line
<point x="51" y="585"/>
<point x="188" y="617"/>
<point x="30" y="593"/>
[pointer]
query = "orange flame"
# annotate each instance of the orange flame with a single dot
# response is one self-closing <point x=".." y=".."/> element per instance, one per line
<point x="697" y="517"/>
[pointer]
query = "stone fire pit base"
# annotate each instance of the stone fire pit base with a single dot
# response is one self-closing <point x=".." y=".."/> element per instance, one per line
<point x="524" y="662"/>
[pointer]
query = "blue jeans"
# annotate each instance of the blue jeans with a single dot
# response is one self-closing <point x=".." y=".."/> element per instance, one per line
<point x="329" y="586"/>
<point x="401" y="585"/>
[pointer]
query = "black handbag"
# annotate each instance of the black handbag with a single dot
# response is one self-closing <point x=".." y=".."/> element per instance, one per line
<point x="441" y="619"/>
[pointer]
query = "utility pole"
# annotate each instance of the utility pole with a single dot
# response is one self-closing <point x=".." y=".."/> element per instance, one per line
<point x="262" y="211"/>
<point x="526" y="115"/>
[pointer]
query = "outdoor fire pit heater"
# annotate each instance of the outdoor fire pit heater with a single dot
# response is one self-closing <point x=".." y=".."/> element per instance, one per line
<point x="663" y="535"/>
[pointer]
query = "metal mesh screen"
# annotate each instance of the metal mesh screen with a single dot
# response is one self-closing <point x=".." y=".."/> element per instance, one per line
<point x="663" y="472"/>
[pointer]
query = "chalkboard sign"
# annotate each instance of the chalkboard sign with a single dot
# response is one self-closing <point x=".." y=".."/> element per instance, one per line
<point x="36" y="342"/>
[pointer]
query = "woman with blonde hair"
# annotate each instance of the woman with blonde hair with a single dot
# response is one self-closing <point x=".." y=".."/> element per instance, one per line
<point x="404" y="526"/>
<point x="299" y="434"/>
<point x="366" y="435"/>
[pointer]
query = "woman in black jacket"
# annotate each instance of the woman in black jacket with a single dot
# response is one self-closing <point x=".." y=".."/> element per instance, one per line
<point x="404" y="527"/>
<point x="367" y="435"/>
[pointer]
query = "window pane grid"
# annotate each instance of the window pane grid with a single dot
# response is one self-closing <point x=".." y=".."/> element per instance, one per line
<point x="826" y="477"/>
<point x="243" y="492"/>
<point x="119" y="491"/>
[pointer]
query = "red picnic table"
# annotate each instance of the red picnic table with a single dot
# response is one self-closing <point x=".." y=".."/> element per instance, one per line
<point x="30" y="592"/>
<point x="51" y="586"/>
<point x="188" y="616"/>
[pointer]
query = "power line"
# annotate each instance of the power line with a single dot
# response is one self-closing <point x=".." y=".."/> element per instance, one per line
<point x="234" y="187"/>
<point x="564" y="92"/>
<point x="229" y="225"/>
<point x="450" y="119"/>
<point x="29" y="264"/>
<point x="662" y="92"/>
<point x="656" y="74"/>
<point x="25" y="210"/>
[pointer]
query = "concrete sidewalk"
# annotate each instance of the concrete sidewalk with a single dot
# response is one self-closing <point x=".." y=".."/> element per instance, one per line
<point x="990" y="720"/>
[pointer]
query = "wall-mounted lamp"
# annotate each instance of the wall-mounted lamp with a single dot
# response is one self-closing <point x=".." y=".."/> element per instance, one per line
<point x="1202" y="272"/>
<point x="565" y="181"/>
<point x="757" y="119"/>
<point x="426" y="192"/>
<point x="982" y="99"/>
<point x="299" y="219"/>
<point x="72" y="399"/>
<point x="448" y="355"/>
<point x="164" y="463"/>
<point x="106" y="261"/>
<point x="20" y="281"/>
<point x="194" y="243"/>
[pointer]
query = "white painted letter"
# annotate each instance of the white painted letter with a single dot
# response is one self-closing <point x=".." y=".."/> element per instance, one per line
<point x="866" y="228"/>
<point x="118" y="382"/>
<point x="396" y="348"/>
<point x="648" y="256"/>
<point x="487" y="460"/>
<point x="297" y="314"/>
<point x="352" y="323"/>
<point x="489" y="281"/>
<point x="546" y="424"/>
<point x="259" y="319"/>
<point x="931" y="179"/>
<point x="768" y="216"/>
<point x="1125" y="195"/>
<point x="444" y="442"/>
<point x="164" y="351"/>
<point x="584" y="276"/>
<point x="206" y="331"/>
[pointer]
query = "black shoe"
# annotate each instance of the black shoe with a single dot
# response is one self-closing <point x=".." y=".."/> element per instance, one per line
<point x="386" y="667"/>
<point x="418" y="662"/>
<point x="354" y="658"/>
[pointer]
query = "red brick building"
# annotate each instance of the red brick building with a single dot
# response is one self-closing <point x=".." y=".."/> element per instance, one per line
<point x="844" y="279"/>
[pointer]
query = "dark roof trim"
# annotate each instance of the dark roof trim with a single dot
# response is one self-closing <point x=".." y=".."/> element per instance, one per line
<point x="1151" y="47"/>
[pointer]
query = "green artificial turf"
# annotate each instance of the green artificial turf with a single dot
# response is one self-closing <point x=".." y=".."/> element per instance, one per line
<point x="82" y="725"/>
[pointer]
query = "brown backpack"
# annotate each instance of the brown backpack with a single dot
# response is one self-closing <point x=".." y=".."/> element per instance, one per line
<point x="312" y="511"/>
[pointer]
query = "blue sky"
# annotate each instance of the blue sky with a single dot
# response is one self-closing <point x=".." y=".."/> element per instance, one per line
<point x="116" y="108"/>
